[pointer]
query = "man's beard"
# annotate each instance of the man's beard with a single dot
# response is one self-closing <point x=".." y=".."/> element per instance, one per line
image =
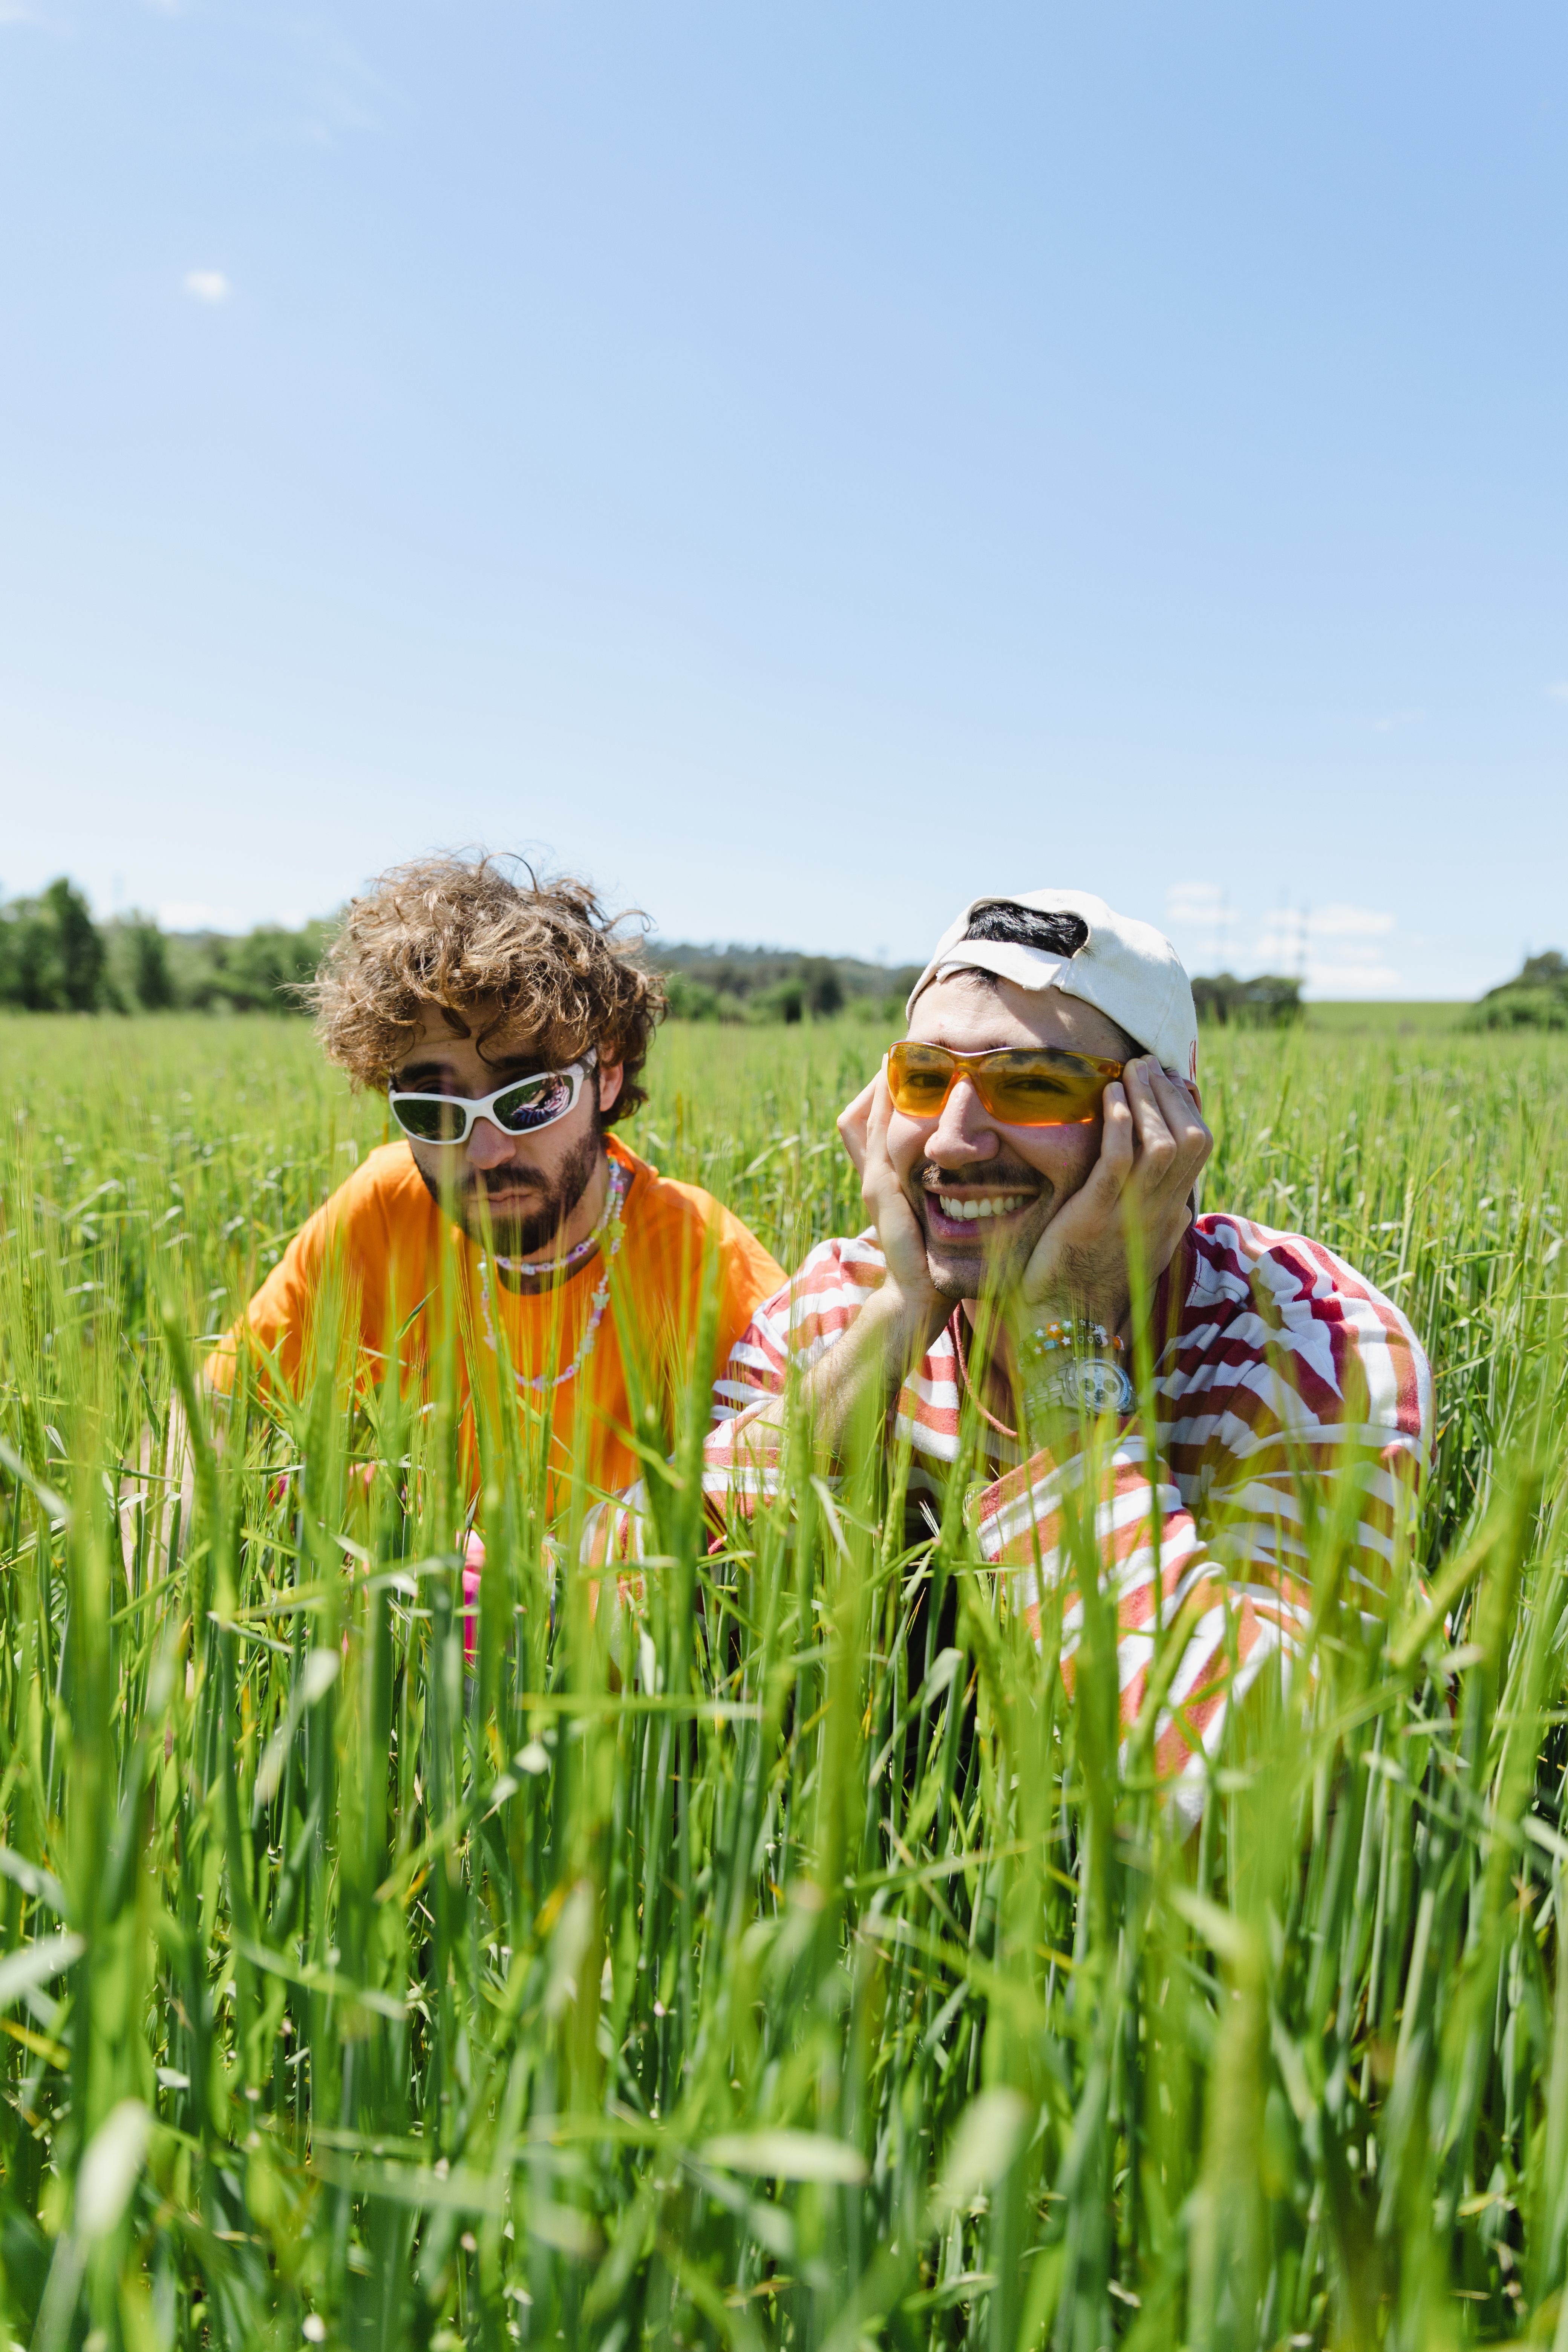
<point x="960" y="1269"/>
<point x="532" y="1232"/>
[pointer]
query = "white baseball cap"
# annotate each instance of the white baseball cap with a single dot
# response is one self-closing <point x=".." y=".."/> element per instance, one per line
<point x="1126" y="970"/>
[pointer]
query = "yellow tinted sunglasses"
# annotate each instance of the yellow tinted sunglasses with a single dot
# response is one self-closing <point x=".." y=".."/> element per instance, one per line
<point x="1028" y="1086"/>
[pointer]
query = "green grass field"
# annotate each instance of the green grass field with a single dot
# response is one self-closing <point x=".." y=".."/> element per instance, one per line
<point x="1377" y="1018"/>
<point x="816" y="1985"/>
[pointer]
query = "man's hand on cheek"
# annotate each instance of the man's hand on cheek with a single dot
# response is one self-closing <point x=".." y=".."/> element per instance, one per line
<point x="890" y="1333"/>
<point x="1152" y="1149"/>
<point x="900" y="1232"/>
<point x="853" y="1120"/>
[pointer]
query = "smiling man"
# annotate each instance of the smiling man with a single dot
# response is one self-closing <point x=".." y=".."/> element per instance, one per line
<point x="508" y="1027"/>
<point x="1043" y="1106"/>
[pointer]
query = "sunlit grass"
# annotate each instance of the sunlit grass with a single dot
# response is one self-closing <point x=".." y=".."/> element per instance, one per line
<point x="810" y="1971"/>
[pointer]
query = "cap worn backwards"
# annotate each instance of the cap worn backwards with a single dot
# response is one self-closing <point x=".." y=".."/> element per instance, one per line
<point x="1125" y="969"/>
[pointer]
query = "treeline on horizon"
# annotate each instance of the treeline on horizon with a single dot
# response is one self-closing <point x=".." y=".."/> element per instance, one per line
<point x="57" y="956"/>
<point x="737" y="984"/>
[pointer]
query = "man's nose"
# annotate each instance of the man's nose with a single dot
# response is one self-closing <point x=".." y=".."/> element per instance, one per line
<point x="488" y="1146"/>
<point x="963" y="1133"/>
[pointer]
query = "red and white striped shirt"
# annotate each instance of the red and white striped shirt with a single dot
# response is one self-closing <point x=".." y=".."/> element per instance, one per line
<point x="1286" y="1390"/>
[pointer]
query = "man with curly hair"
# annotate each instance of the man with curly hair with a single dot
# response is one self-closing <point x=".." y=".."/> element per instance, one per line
<point x="507" y="1025"/>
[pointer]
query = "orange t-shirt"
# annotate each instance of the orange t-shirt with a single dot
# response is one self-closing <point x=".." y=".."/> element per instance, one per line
<point x="402" y="1271"/>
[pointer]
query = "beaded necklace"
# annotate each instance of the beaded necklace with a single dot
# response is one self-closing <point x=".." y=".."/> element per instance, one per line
<point x="614" y="1193"/>
<point x="620" y="1184"/>
<point x="999" y="1426"/>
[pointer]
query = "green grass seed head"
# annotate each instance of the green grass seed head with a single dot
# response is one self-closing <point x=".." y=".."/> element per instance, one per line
<point x="797" y="1964"/>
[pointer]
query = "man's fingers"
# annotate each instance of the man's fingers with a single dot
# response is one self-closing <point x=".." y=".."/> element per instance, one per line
<point x="879" y="1111"/>
<point x="852" y="1122"/>
<point x="1180" y="1113"/>
<point x="1173" y="1089"/>
<point x="857" y="1108"/>
<point x="1117" y="1148"/>
<point x="1172" y="1141"/>
<point x="1156" y="1144"/>
<point x="876" y="1168"/>
<point x="1186" y="1122"/>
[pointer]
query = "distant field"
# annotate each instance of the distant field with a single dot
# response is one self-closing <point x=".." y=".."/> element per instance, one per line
<point x="1376" y="1018"/>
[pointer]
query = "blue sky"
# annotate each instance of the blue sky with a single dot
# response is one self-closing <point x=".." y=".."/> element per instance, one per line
<point x="800" y="464"/>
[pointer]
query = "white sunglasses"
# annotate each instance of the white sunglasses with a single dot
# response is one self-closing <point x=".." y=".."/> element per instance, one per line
<point x="520" y="1108"/>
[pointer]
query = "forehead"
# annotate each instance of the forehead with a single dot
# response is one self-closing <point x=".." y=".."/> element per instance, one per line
<point x="443" y="1036"/>
<point x="969" y="1018"/>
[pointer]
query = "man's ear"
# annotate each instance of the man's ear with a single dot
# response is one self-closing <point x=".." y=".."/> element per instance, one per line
<point x="611" y="1075"/>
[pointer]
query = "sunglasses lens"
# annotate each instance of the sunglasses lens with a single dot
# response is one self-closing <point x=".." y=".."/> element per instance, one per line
<point x="918" y="1079"/>
<point x="533" y="1102"/>
<point x="1043" y="1090"/>
<point x="428" y="1118"/>
<point x="1043" y="1087"/>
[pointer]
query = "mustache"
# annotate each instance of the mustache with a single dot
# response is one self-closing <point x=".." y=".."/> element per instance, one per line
<point x="505" y="1179"/>
<point x="1009" y="1175"/>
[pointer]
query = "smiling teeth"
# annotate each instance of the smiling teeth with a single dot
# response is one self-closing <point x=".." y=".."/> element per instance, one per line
<point x="972" y="1209"/>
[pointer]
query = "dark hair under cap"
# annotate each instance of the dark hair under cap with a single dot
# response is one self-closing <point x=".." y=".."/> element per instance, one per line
<point x="1025" y="926"/>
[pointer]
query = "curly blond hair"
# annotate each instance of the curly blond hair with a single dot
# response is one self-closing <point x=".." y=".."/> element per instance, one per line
<point x="542" y="962"/>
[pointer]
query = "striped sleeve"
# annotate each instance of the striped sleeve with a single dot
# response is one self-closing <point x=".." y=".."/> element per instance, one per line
<point x="1293" y="1425"/>
<point x="796" y="1326"/>
<point x="800" y="1322"/>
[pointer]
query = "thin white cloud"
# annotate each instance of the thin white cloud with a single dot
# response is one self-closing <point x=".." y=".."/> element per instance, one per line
<point x="1340" y="950"/>
<point x="1393" y="721"/>
<point x="345" y="96"/>
<point x="18" y="12"/>
<point x="1559" y="690"/>
<point x="208" y="285"/>
<point x="1353" y="979"/>
<point x="1337" y="951"/>
<point x="1349" y="927"/>
<point x="1194" y="902"/>
<point x="1349" y="922"/>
